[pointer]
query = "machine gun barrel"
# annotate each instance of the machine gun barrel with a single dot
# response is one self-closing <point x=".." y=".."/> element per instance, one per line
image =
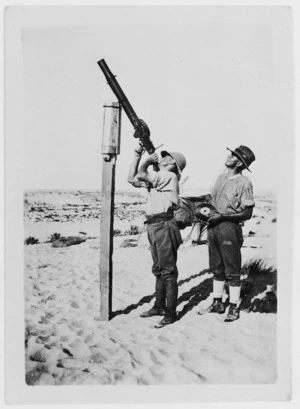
<point x="142" y="130"/>
<point x="117" y="90"/>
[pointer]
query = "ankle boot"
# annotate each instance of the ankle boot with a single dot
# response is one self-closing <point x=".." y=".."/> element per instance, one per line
<point x="152" y="312"/>
<point x="217" y="306"/>
<point x="160" y="293"/>
<point x="171" y="296"/>
<point x="233" y="313"/>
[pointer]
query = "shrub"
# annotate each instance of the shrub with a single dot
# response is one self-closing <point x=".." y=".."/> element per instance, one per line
<point x="133" y="230"/>
<point x="259" y="279"/>
<point x="55" y="236"/>
<point x="31" y="240"/>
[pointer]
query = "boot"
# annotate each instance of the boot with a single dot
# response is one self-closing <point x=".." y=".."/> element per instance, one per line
<point x="160" y="293"/>
<point x="159" y="306"/>
<point x="171" y="297"/>
<point x="165" y="321"/>
<point x="152" y="312"/>
<point x="217" y="306"/>
<point x="233" y="313"/>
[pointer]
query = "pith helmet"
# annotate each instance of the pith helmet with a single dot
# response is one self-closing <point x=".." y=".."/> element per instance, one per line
<point x="178" y="157"/>
<point x="244" y="154"/>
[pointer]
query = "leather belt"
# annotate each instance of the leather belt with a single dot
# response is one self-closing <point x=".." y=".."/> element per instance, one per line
<point x="159" y="217"/>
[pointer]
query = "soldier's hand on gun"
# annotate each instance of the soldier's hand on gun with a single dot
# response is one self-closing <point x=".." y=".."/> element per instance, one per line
<point x="154" y="158"/>
<point x="139" y="149"/>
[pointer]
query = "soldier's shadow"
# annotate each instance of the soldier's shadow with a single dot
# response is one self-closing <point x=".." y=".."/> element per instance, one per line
<point x="193" y="296"/>
<point x="261" y="280"/>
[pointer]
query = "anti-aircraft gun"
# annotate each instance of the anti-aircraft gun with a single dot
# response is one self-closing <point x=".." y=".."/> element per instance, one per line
<point x="141" y="129"/>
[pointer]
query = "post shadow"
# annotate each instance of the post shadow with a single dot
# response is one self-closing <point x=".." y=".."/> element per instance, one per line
<point x="259" y="278"/>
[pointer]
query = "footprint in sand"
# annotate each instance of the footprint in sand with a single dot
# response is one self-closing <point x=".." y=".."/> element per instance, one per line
<point x="163" y="338"/>
<point x="75" y="325"/>
<point x="164" y="353"/>
<point x="74" y="304"/>
<point x="64" y="338"/>
<point x="62" y="321"/>
<point x="89" y="338"/>
<point x="75" y="344"/>
<point x="154" y="358"/>
<point x="97" y="358"/>
<point x="44" y="320"/>
<point x="40" y="356"/>
<point x="42" y="339"/>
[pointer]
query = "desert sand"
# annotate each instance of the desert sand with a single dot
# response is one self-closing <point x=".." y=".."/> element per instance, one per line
<point x="67" y="344"/>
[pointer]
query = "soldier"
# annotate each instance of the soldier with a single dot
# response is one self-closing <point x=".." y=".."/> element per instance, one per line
<point x="232" y="197"/>
<point x="163" y="233"/>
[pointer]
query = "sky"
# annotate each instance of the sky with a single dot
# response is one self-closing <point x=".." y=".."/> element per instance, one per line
<point x="203" y="79"/>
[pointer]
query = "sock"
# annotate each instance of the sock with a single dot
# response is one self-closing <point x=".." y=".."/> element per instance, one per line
<point x="234" y="294"/>
<point x="218" y="287"/>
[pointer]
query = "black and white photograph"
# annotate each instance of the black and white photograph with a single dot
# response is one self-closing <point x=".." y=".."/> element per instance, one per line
<point x="149" y="186"/>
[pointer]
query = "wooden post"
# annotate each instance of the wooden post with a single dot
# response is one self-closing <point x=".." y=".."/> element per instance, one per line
<point x="110" y="150"/>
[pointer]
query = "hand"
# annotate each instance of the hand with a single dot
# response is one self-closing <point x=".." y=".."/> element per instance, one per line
<point x="154" y="158"/>
<point x="215" y="219"/>
<point x="139" y="149"/>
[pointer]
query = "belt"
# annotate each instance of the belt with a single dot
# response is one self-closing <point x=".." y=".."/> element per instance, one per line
<point x="159" y="217"/>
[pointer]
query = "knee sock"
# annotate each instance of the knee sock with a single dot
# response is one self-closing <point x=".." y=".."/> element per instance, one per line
<point x="218" y="287"/>
<point x="234" y="294"/>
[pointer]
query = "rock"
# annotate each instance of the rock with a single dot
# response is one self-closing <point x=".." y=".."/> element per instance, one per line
<point x="68" y="241"/>
<point x="129" y="243"/>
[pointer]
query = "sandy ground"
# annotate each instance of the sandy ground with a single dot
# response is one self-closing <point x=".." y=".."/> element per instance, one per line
<point x="65" y="341"/>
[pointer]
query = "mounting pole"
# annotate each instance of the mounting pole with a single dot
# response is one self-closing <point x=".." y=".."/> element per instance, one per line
<point x="110" y="150"/>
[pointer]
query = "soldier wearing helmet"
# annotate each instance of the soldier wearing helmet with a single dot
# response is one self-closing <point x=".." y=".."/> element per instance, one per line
<point x="232" y="197"/>
<point x="163" y="233"/>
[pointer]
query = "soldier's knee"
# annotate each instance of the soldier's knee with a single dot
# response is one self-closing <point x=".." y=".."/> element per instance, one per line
<point x="169" y="277"/>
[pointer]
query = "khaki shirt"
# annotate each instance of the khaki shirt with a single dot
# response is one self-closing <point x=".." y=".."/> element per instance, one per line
<point x="162" y="193"/>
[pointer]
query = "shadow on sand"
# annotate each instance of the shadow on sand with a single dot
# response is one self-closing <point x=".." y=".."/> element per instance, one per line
<point x="260" y="281"/>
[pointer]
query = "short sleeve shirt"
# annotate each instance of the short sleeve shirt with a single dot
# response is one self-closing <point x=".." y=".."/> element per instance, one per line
<point x="163" y="193"/>
<point x="232" y="195"/>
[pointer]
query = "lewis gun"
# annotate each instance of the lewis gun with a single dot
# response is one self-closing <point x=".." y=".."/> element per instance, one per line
<point x="141" y="129"/>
